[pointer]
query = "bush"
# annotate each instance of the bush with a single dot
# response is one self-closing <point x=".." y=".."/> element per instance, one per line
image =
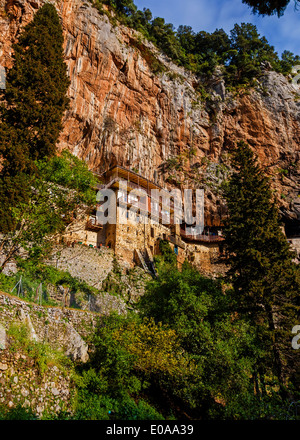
<point x="34" y="274"/>
<point x="42" y="354"/>
<point x="17" y="413"/>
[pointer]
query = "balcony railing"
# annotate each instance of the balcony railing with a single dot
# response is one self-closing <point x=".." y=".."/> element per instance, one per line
<point x="93" y="224"/>
<point x="201" y="237"/>
<point x="177" y="241"/>
<point x="135" y="186"/>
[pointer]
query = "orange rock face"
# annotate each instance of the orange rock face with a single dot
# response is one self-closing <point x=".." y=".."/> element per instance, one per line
<point x="131" y="106"/>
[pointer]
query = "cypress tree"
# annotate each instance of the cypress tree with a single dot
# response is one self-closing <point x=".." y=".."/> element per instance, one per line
<point x="33" y="106"/>
<point x="264" y="278"/>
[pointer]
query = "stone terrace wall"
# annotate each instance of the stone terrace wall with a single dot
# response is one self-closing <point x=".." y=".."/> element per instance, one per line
<point x="85" y="263"/>
<point x="22" y="384"/>
<point x="21" y="381"/>
<point x="60" y="327"/>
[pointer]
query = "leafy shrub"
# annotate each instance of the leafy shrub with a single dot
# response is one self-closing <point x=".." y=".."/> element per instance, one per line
<point x="17" y="413"/>
<point x="42" y="354"/>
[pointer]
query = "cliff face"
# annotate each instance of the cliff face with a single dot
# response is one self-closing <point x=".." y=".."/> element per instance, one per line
<point x="130" y="105"/>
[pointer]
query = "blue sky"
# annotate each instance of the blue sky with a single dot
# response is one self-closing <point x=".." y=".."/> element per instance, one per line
<point x="208" y="15"/>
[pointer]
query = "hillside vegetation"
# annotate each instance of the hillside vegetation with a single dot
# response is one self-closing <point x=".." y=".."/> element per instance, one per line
<point x="192" y="347"/>
<point x="241" y="54"/>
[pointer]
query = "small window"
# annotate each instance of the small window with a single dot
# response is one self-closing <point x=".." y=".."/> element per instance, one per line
<point x="152" y="232"/>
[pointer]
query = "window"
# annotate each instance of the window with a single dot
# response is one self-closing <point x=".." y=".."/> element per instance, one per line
<point x="165" y="215"/>
<point x="143" y="202"/>
<point x="176" y="249"/>
<point x="152" y="232"/>
<point x="154" y="207"/>
<point x="132" y="198"/>
<point x="122" y="195"/>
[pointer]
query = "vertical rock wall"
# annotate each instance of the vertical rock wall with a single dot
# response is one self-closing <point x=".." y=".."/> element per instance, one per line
<point x="130" y="105"/>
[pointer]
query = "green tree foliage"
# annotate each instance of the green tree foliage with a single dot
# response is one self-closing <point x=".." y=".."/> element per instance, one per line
<point x="265" y="280"/>
<point x="34" y="103"/>
<point x="126" y="7"/>
<point x="240" y="54"/>
<point x="187" y="353"/>
<point x="199" y="312"/>
<point x="168" y="256"/>
<point x="288" y="60"/>
<point x="38" y="190"/>
<point x="35" y="97"/>
<point x="193" y="350"/>
<point x="60" y="186"/>
<point x="17" y="413"/>
<point x="247" y="52"/>
<point x="165" y="34"/>
<point x="40" y="278"/>
<point x="131" y="360"/>
<point x="268" y="7"/>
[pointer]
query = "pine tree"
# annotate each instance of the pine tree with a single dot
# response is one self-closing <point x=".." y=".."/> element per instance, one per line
<point x="268" y="7"/>
<point x="34" y="103"/>
<point x="264" y="278"/>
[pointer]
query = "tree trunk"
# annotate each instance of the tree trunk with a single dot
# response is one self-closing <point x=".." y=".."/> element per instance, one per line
<point x="9" y="256"/>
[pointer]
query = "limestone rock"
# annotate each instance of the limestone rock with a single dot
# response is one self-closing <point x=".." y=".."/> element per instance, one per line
<point x="2" y="337"/>
<point x="25" y="318"/>
<point x="121" y="111"/>
<point x="76" y="348"/>
<point x="55" y="391"/>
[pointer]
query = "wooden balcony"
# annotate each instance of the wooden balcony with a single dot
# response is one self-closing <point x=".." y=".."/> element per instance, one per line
<point x="93" y="225"/>
<point x="177" y="241"/>
<point x="114" y="177"/>
<point x="201" y="237"/>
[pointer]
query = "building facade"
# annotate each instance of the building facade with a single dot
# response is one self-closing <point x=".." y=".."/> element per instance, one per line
<point x="143" y="214"/>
